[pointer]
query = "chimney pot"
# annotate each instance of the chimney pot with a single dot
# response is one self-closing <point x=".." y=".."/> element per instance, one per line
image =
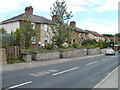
<point x="29" y="10"/>
<point x="73" y="23"/>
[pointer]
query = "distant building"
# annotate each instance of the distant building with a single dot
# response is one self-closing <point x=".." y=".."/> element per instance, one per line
<point x="94" y="35"/>
<point x="78" y="35"/>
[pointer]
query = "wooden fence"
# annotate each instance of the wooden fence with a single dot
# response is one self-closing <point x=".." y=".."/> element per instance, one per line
<point x="12" y="52"/>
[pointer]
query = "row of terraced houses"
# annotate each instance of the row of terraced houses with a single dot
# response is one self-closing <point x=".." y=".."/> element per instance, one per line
<point x="44" y="32"/>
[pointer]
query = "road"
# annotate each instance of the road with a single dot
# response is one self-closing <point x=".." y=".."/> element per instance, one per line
<point x="83" y="73"/>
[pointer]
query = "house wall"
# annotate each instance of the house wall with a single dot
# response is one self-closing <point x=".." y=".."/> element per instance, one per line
<point x="78" y="37"/>
<point x="75" y="37"/>
<point x="37" y="36"/>
<point x="11" y="26"/>
<point x="46" y="34"/>
<point x="91" y="36"/>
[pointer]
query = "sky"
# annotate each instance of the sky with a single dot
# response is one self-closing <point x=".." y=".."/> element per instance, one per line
<point x="95" y="15"/>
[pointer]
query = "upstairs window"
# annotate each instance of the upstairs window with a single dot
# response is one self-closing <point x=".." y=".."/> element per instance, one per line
<point x="80" y="35"/>
<point x="45" y="27"/>
<point x="33" y="26"/>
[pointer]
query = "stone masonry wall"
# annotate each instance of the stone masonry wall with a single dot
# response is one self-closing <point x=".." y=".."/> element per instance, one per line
<point x="73" y="53"/>
<point x="94" y="51"/>
<point x="47" y="56"/>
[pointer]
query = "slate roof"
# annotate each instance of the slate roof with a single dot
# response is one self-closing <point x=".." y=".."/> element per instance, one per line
<point x="80" y="30"/>
<point x="34" y="18"/>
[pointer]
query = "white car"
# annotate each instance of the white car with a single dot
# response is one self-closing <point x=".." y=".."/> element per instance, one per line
<point x="109" y="52"/>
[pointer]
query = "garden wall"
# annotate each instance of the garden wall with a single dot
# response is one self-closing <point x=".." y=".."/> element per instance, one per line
<point x="47" y="56"/>
<point x="94" y="51"/>
<point x="73" y="53"/>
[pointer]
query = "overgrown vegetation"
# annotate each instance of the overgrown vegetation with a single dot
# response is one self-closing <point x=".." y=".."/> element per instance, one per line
<point x="90" y="43"/>
<point x="18" y="60"/>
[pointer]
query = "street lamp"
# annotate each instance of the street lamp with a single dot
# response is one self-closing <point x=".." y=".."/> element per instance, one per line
<point x="114" y="41"/>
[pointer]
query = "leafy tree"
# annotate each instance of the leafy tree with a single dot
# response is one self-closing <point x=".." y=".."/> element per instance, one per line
<point x="62" y="31"/>
<point x="108" y="35"/>
<point x="18" y="36"/>
<point x="27" y="31"/>
<point x="117" y="35"/>
<point x="3" y="30"/>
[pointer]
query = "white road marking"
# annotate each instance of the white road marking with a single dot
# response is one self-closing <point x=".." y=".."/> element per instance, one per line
<point x="105" y="78"/>
<point x="19" y="85"/>
<point x="92" y="63"/>
<point x="104" y="59"/>
<point x="64" y="71"/>
<point x="43" y="73"/>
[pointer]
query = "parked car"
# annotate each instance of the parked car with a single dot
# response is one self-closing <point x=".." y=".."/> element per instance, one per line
<point x="109" y="52"/>
<point x="119" y="51"/>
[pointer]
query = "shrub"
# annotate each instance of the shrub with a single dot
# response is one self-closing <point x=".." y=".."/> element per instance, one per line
<point x="100" y="45"/>
<point x="76" y="45"/>
<point x="48" y="46"/>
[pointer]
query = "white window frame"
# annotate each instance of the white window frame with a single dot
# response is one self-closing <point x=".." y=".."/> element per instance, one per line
<point x="80" y="35"/>
<point x="45" y="27"/>
<point x="33" y="28"/>
<point x="33" y="39"/>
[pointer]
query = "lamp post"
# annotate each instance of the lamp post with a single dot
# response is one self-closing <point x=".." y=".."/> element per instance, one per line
<point x="114" y="41"/>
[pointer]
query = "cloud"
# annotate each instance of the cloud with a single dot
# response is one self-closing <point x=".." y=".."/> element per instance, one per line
<point x="108" y="5"/>
<point x="38" y="5"/>
<point x="109" y="27"/>
<point x="9" y="6"/>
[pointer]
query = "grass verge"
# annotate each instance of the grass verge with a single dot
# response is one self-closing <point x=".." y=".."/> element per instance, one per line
<point x="18" y="60"/>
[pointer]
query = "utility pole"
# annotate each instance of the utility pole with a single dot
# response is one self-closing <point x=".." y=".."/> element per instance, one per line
<point x="114" y="41"/>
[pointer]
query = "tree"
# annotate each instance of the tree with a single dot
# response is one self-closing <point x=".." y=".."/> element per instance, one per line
<point x="108" y="35"/>
<point x="27" y="31"/>
<point x="117" y="34"/>
<point x="17" y="36"/>
<point x="3" y="30"/>
<point x="62" y="31"/>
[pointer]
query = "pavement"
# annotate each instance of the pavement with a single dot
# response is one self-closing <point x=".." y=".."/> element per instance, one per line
<point x="110" y="81"/>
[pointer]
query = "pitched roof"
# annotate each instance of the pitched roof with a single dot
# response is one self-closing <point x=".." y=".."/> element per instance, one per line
<point x="94" y="33"/>
<point x="116" y="38"/>
<point x="79" y="30"/>
<point x="34" y="18"/>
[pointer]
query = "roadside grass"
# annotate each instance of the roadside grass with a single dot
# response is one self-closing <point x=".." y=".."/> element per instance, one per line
<point x="18" y="60"/>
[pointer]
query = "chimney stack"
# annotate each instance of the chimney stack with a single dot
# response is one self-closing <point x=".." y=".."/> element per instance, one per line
<point x="29" y="10"/>
<point x="73" y="23"/>
<point x="54" y="17"/>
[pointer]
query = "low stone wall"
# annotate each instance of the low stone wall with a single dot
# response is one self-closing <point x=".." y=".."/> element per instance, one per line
<point x="27" y="57"/>
<point x="94" y="51"/>
<point x="73" y="53"/>
<point x="3" y="58"/>
<point x="47" y="56"/>
<point x="102" y="51"/>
